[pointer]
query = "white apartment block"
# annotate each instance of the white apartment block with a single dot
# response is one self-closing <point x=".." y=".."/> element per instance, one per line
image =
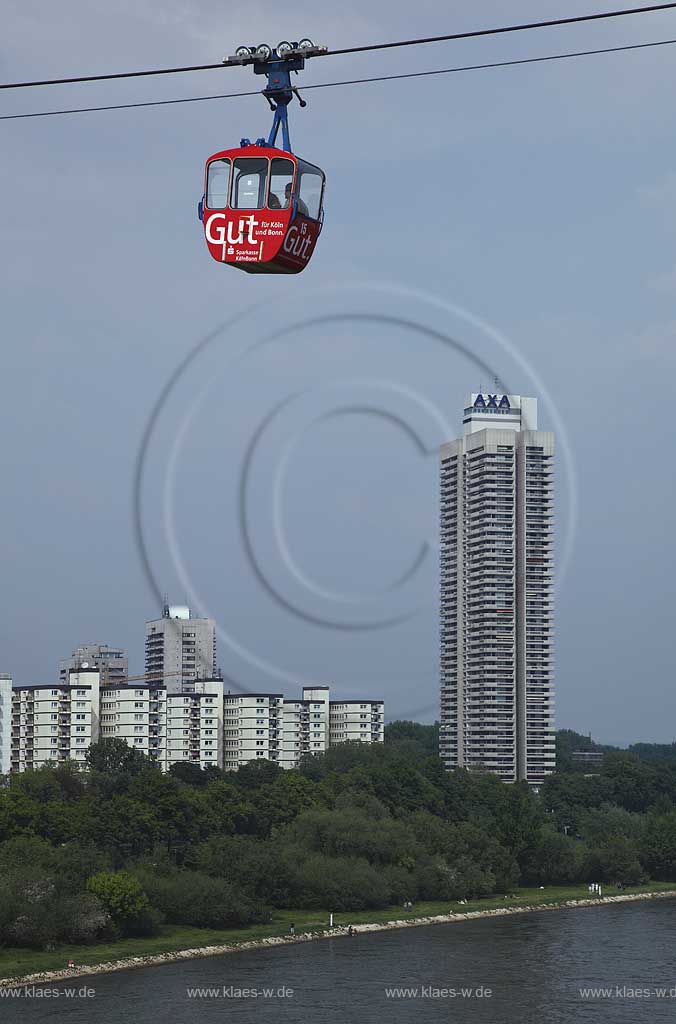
<point x="167" y="727"/>
<point x="497" y="592"/>
<point x="362" y="720"/>
<point x="306" y="725"/>
<point x="55" y="722"/>
<point x="135" y="714"/>
<point x="266" y="725"/>
<point x="180" y="649"/>
<point x="194" y="724"/>
<point x="252" y="728"/>
<point x="203" y="725"/>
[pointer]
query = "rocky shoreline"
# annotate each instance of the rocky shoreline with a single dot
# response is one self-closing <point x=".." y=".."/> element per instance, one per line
<point x="127" y="963"/>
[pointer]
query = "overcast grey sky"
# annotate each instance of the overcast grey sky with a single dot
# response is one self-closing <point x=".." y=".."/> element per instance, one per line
<point x="540" y="199"/>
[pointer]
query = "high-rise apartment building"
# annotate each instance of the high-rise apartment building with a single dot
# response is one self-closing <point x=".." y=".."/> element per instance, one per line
<point x="111" y="662"/>
<point x="180" y="649"/>
<point x="497" y="591"/>
<point x="5" y="723"/>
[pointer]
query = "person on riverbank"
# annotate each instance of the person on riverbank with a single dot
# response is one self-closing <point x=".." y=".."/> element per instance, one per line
<point x="292" y="929"/>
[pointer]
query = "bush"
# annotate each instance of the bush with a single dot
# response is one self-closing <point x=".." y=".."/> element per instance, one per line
<point x="336" y="883"/>
<point x="85" y="920"/>
<point x="658" y="847"/>
<point x="552" y="859"/>
<point x="33" y="914"/>
<point x="147" y="922"/>
<point x="188" y="897"/>
<point x="120" y="895"/>
<point x="252" y="866"/>
<point x="617" y="862"/>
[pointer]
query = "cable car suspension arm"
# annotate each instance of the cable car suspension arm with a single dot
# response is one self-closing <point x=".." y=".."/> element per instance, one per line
<point x="277" y="65"/>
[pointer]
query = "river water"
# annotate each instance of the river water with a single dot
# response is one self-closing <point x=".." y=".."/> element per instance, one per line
<point x="516" y="970"/>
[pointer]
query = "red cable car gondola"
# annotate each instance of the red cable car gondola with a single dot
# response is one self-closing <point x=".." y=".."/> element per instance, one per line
<point x="262" y="207"/>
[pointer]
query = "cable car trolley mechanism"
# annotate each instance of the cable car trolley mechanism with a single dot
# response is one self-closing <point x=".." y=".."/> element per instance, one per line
<point x="262" y="206"/>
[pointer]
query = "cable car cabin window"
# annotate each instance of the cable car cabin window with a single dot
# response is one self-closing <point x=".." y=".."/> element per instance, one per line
<point x="249" y="183"/>
<point x="281" y="183"/>
<point x="310" y="190"/>
<point x="218" y="180"/>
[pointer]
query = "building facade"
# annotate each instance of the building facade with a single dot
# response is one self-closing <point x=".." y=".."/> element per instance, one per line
<point x="180" y="649"/>
<point x="168" y="727"/>
<point x="112" y="662"/>
<point x="496" y="585"/>
<point x="253" y="724"/>
<point x="5" y="723"/>
<point x="284" y="730"/>
<point x="202" y="725"/>
<point x="55" y="723"/>
<point x="591" y="760"/>
<point x="356" y="720"/>
<point x="306" y="725"/>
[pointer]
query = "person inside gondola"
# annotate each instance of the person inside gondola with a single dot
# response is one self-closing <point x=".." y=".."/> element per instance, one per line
<point x="300" y="205"/>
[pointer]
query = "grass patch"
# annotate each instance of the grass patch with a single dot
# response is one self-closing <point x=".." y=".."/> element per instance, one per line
<point x="17" y="962"/>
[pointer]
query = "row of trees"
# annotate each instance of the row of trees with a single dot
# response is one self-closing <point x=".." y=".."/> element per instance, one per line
<point x="121" y="848"/>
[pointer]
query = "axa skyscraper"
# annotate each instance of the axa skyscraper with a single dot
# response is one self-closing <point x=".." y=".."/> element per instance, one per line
<point x="497" y="565"/>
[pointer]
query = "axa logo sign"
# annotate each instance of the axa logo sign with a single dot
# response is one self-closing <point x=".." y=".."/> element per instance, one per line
<point x="221" y="231"/>
<point x="491" y="402"/>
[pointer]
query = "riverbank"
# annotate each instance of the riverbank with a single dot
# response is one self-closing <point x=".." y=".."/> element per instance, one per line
<point x="27" y="967"/>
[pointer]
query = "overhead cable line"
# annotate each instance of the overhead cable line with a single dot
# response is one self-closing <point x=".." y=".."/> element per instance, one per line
<point x="349" y="81"/>
<point x="473" y="34"/>
<point x="556" y="22"/>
